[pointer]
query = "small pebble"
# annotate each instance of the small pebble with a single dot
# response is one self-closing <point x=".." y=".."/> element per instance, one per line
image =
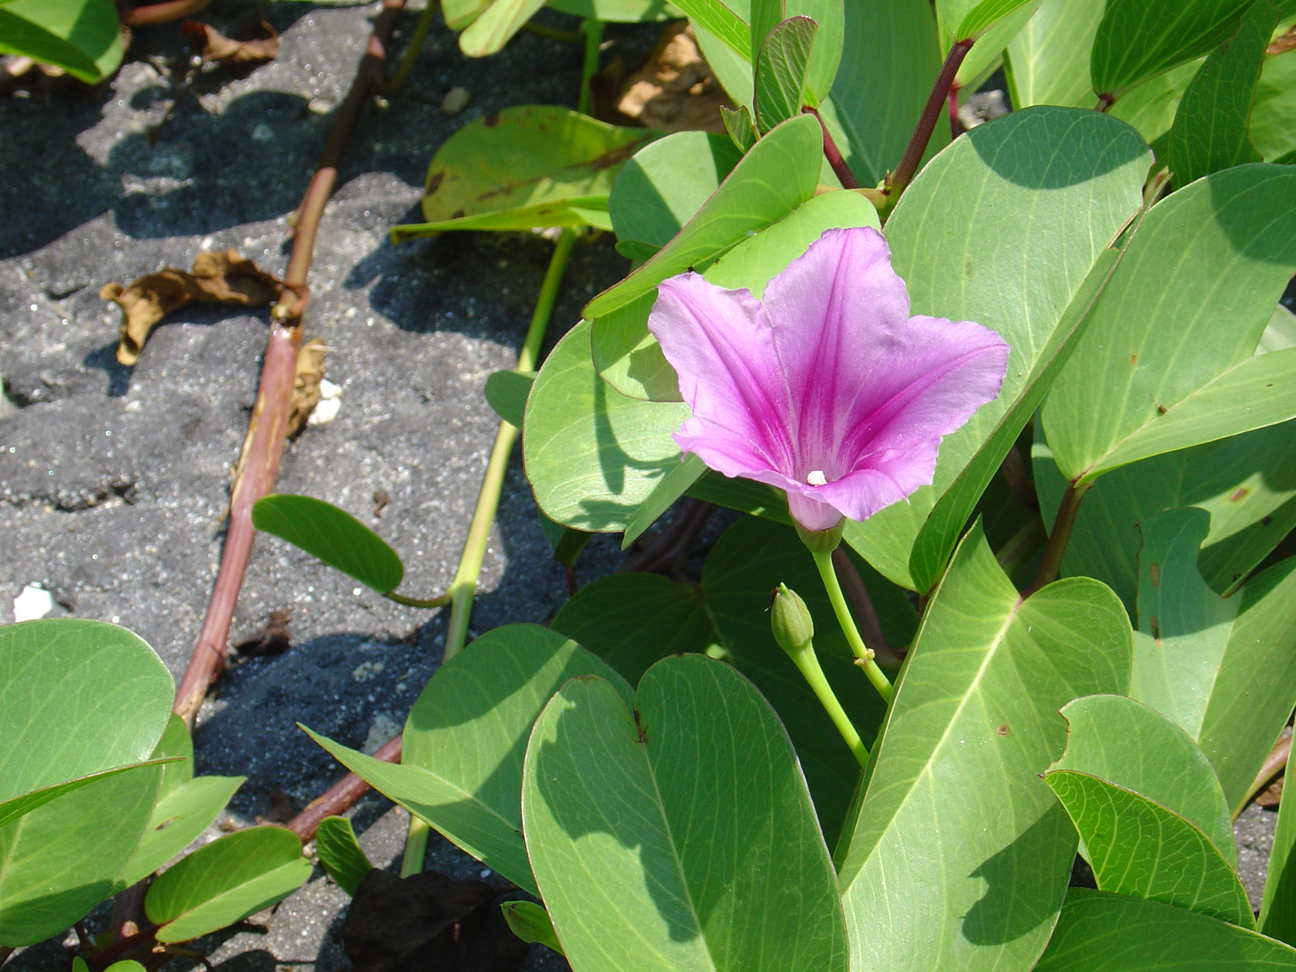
<point x="456" y="100"/>
<point x="262" y="133"/>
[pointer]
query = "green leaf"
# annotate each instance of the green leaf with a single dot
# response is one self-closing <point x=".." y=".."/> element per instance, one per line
<point x="340" y="853"/>
<point x="1131" y="745"/>
<point x="1048" y="62"/>
<point x="81" y="36"/>
<point x="1273" y="114"/>
<point x="781" y="71"/>
<point x="1211" y="128"/>
<point x="995" y="32"/>
<point x="521" y="168"/>
<point x="1189" y="302"/>
<point x="61" y="859"/>
<point x="225" y="881"/>
<point x="1138" y="39"/>
<point x="1148" y="807"/>
<point x="332" y="535"/>
<point x="955" y="821"/>
<point x="1254" y="393"/>
<point x="740" y="127"/>
<point x="495" y="25"/>
<point x="506" y="393"/>
<point x="890" y="60"/>
<point x="817" y="74"/>
<point x="1278" y="910"/>
<point x="530" y="922"/>
<point x="720" y="21"/>
<point x="54" y="673"/>
<point x="669" y="489"/>
<point x="939" y="534"/>
<point x="660" y="188"/>
<point x="634" y="620"/>
<point x="1043" y="180"/>
<point x="178" y="819"/>
<point x="27" y="802"/>
<point x="591" y="454"/>
<point x="176" y="745"/>
<point x="1196" y="655"/>
<point x="632" y="875"/>
<point x="1142" y="849"/>
<point x="461" y="758"/>
<point x="459" y="14"/>
<point x="743" y="495"/>
<point x="986" y="14"/>
<point x="617" y="11"/>
<point x="777" y="175"/>
<point x="1151" y="107"/>
<point x="1247" y="483"/>
<point x="65" y="852"/>
<point x="1100" y="932"/>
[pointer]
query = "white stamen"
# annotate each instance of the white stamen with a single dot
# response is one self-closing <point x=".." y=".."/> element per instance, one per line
<point x="817" y="478"/>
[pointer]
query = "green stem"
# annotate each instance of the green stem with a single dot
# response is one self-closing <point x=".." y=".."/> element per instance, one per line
<point x="863" y="654"/>
<point x="566" y="36"/>
<point x="464" y="586"/>
<point x="415" y="602"/>
<point x="593" y="31"/>
<point x="808" y="664"/>
<point x="416" y="841"/>
<point x="410" y="55"/>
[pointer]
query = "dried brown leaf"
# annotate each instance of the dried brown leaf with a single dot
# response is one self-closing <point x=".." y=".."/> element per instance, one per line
<point x="273" y="639"/>
<point x="221" y="278"/>
<point x="306" y="384"/>
<point x="215" y="46"/>
<point x="676" y="90"/>
<point x="1283" y="43"/>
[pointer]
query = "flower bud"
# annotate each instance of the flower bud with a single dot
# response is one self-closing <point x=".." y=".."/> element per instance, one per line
<point x="791" y="622"/>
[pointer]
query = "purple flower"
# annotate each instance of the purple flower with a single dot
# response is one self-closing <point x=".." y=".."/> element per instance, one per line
<point x="826" y="388"/>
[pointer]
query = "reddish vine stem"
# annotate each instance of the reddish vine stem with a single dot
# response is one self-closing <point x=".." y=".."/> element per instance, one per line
<point x="339" y="797"/>
<point x="833" y="154"/>
<point x="670" y="547"/>
<point x="162" y="13"/>
<point x="266" y="430"/>
<point x="1058" y="539"/>
<point x="951" y="101"/>
<point x="936" y="101"/>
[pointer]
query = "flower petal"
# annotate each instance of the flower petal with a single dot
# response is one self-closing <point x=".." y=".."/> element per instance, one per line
<point x="834" y="311"/>
<point x="728" y="374"/>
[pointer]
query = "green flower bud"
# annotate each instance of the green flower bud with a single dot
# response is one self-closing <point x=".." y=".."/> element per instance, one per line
<point x="791" y="622"/>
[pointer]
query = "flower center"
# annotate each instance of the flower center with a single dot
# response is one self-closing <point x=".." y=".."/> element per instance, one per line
<point x="817" y="478"/>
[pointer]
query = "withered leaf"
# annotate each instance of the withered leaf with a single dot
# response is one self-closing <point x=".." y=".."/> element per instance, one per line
<point x="1270" y="795"/>
<point x="428" y="923"/>
<point x="215" y="46"/>
<point x="306" y="384"/>
<point x="273" y="639"/>
<point x="675" y="91"/>
<point x="220" y="278"/>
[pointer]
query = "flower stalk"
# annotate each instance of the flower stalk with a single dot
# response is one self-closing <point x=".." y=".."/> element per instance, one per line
<point x="464" y="586"/>
<point x="794" y="631"/>
<point x="863" y="654"/>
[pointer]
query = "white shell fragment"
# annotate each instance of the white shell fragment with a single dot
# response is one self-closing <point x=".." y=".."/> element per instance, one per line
<point x="34" y="602"/>
<point x="330" y="403"/>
